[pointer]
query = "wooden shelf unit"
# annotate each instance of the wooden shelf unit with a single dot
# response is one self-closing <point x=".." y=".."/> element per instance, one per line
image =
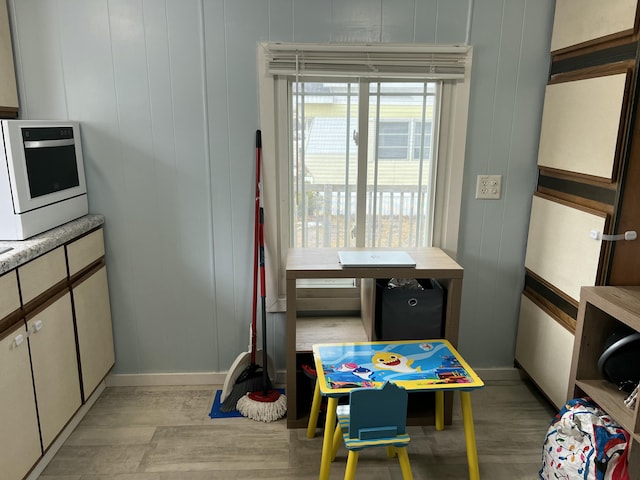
<point x="302" y="332"/>
<point x="601" y="311"/>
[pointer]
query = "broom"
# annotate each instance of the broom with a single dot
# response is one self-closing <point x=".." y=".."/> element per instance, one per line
<point x="250" y="377"/>
<point x="266" y="404"/>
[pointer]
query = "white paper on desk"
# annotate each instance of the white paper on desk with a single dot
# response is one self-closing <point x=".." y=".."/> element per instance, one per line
<point x="375" y="258"/>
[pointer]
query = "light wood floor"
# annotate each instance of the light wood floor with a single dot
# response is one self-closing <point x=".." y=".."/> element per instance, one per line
<point x="165" y="433"/>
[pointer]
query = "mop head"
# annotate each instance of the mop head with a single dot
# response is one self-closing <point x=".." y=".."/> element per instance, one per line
<point x="261" y="407"/>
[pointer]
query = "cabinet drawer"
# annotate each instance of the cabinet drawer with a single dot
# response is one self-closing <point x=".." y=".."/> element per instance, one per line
<point x="9" y="296"/>
<point x="84" y="251"/>
<point x="544" y="349"/>
<point x="559" y="248"/>
<point x="41" y="274"/>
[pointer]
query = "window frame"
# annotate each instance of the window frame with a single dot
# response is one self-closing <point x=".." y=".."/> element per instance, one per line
<point x="274" y="105"/>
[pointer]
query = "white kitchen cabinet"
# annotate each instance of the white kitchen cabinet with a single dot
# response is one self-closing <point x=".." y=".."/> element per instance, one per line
<point x="55" y="365"/>
<point x="41" y="274"/>
<point x="84" y="251"/>
<point x="19" y="437"/>
<point x="9" y="295"/>
<point x="8" y="88"/>
<point x="93" y="324"/>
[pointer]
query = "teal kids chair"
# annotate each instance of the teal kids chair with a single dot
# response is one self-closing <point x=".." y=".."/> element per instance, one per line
<point x="375" y="417"/>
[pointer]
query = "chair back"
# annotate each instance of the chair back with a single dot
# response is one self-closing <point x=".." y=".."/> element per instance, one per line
<point x="377" y="412"/>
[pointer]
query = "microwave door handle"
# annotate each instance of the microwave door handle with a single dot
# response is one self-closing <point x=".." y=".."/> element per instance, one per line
<point x="49" y="143"/>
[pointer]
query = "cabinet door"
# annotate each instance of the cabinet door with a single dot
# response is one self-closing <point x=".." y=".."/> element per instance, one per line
<point x="55" y="366"/>
<point x="8" y="89"/>
<point x="544" y="349"/>
<point x="18" y="419"/>
<point x="93" y="323"/>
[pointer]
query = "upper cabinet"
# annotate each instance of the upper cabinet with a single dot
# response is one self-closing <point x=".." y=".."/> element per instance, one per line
<point x="580" y="23"/>
<point x="8" y="87"/>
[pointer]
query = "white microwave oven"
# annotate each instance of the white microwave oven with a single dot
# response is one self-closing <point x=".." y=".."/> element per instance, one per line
<point x="42" y="181"/>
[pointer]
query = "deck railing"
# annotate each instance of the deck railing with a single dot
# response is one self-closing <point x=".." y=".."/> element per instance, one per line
<point x="396" y="216"/>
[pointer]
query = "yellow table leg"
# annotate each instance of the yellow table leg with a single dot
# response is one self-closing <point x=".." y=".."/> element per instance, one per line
<point x="439" y="410"/>
<point x="315" y="411"/>
<point x="327" y="442"/>
<point x="470" y="436"/>
<point x="352" y="463"/>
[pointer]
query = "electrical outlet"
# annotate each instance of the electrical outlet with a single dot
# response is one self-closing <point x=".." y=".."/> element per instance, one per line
<point x="489" y="187"/>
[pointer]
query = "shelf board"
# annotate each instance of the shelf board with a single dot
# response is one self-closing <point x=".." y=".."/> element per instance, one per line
<point x="607" y="395"/>
<point x="310" y="330"/>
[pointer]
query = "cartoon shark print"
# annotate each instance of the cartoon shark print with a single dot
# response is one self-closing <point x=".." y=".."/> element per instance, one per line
<point x="393" y="361"/>
<point x="363" y="373"/>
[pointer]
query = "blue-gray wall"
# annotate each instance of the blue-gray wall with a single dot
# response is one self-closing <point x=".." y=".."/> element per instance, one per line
<point x="167" y="95"/>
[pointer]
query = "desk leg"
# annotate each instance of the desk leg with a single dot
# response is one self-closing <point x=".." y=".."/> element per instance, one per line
<point x="315" y="411"/>
<point x="470" y="436"/>
<point x="439" y="410"/>
<point x="327" y="442"/>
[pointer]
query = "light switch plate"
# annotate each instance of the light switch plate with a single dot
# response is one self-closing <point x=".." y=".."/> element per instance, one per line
<point x="489" y="187"/>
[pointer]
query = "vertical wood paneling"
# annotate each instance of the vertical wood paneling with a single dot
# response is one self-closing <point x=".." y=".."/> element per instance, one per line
<point x="229" y="332"/>
<point x="451" y="24"/>
<point x="164" y="297"/>
<point x="356" y="21"/>
<point x="167" y="96"/>
<point x="194" y="229"/>
<point x="241" y="17"/>
<point x="311" y="21"/>
<point x="399" y="20"/>
<point x="491" y="231"/>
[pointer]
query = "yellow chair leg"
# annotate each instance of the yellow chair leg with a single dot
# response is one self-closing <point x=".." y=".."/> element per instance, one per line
<point x="439" y="410"/>
<point x="327" y="442"/>
<point x="470" y="436"/>
<point x="391" y="451"/>
<point x="315" y="411"/>
<point x="352" y="463"/>
<point x="337" y="439"/>
<point x="405" y="466"/>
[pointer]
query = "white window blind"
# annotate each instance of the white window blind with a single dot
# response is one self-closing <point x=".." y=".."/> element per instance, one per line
<point x="424" y="62"/>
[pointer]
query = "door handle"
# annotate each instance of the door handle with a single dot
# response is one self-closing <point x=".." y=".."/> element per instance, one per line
<point x="630" y="235"/>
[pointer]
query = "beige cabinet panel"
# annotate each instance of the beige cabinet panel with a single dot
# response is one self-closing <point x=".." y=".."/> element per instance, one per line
<point x="580" y="124"/>
<point x="544" y="349"/>
<point x="559" y="248"/>
<point x="55" y="367"/>
<point x="8" y="89"/>
<point x="42" y="273"/>
<point x="19" y="432"/>
<point x="95" y="335"/>
<point x="578" y="21"/>
<point x="9" y="296"/>
<point x="84" y="251"/>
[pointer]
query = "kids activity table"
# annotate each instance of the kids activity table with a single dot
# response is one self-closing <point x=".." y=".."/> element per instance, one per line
<point x="416" y="365"/>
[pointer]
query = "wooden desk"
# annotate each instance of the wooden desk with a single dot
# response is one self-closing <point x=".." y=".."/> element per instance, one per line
<point x="417" y="365"/>
<point x="314" y="263"/>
